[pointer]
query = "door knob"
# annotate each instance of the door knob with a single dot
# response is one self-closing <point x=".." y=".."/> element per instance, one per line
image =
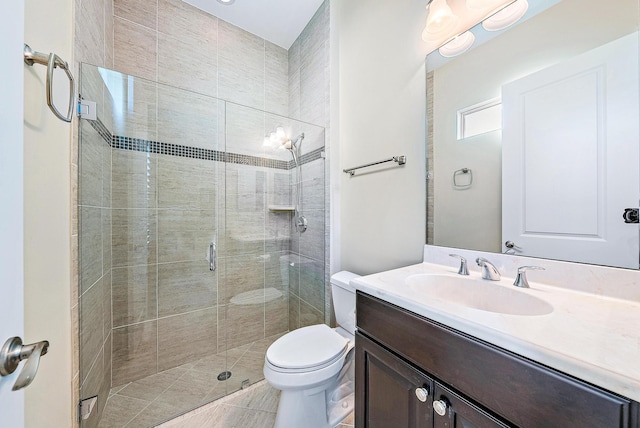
<point x="13" y="351"/>
<point x="440" y="407"/>
<point x="422" y="394"/>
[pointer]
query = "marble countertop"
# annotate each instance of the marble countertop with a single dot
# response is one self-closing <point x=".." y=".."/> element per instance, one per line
<point x="592" y="337"/>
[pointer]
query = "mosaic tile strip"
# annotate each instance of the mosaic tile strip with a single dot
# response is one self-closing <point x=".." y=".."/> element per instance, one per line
<point x="158" y="147"/>
<point x="308" y="157"/>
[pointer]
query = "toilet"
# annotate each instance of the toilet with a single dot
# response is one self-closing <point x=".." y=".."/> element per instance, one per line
<point x="313" y="366"/>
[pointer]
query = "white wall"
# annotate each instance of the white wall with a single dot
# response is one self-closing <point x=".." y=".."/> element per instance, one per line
<point x="381" y="109"/>
<point x="47" y="221"/>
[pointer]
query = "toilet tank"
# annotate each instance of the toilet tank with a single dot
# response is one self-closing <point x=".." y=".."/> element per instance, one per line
<point x="344" y="300"/>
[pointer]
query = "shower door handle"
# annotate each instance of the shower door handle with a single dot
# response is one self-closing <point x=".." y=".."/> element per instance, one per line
<point x="213" y="256"/>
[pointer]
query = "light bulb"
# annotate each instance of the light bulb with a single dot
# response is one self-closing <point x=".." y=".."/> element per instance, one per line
<point x="280" y="133"/>
<point x="457" y="46"/>
<point x="440" y="20"/>
<point x="506" y="17"/>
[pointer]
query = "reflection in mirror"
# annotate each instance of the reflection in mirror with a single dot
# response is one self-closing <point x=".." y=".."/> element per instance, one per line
<point x="546" y="116"/>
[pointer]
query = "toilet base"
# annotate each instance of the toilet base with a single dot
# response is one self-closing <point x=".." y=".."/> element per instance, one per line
<point x="302" y="408"/>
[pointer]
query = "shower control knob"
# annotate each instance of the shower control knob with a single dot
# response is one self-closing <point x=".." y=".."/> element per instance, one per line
<point x="440" y="407"/>
<point x="422" y="394"/>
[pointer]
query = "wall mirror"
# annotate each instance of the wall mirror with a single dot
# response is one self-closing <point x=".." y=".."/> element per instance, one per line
<point x="533" y="137"/>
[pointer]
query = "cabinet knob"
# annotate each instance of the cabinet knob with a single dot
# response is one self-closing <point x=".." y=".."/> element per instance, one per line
<point x="440" y="407"/>
<point x="422" y="394"/>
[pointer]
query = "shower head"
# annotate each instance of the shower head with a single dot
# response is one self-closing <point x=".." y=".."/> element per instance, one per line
<point x="293" y="144"/>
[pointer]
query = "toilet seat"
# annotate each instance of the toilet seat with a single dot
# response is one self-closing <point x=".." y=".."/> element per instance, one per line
<point x="307" y="349"/>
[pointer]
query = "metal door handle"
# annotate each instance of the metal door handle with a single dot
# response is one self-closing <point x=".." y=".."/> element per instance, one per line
<point x="213" y="256"/>
<point x="13" y="351"/>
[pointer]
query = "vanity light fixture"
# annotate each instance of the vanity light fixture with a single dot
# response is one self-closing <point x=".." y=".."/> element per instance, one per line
<point x="506" y="17"/>
<point x="458" y="46"/>
<point x="226" y="2"/>
<point x="440" y="21"/>
<point x="448" y="20"/>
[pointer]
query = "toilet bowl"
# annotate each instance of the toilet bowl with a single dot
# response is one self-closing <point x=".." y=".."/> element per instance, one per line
<point x="313" y="366"/>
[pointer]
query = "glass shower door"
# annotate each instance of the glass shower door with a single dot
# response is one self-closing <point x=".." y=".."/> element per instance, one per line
<point x="150" y="187"/>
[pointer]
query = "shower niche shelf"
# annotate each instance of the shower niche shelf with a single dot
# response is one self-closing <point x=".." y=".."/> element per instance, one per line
<point x="281" y="208"/>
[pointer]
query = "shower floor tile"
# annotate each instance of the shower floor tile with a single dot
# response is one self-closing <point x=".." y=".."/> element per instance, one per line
<point x="154" y="399"/>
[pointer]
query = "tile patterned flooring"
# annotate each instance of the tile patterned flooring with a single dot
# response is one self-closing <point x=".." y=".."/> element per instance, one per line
<point x="150" y="401"/>
<point x="157" y="398"/>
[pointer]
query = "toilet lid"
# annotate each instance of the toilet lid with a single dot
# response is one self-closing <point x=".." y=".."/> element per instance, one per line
<point x="306" y="347"/>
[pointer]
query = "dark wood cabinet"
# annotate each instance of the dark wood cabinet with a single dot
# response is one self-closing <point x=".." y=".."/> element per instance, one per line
<point x="482" y="385"/>
<point x="387" y="386"/>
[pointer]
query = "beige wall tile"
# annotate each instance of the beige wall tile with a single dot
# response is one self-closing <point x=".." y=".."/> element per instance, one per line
<point x="134" y="179"/>
<point x="246" y="130"/>
<point x="91" y="328"/>
<point x="134" y="294"/>
<point x="294" y="312"/>
<point x="312" y="241"/>
<point x="276" y="316"/>
<point x="106" y="239"/>
<point x="186" y="337"/>
<point x="108" y="34"/>
<point x="184" y="235"/>
<point x="93" y="386"/>
<point x="309" y="315"/>
<point x="89" y="34"/>
<point x="243" y="324"/>
<point x="312" y="282"/>
<point x="190" y="119"/>
<point x="276" y="68"/>
<point x="185" y="287"/>
<point x="242" y="273"/>
<point x="134" y="109"/>
<point x="179" y="19"/>
<point x="90" y="246"/>
<point x="188" y="63"/>
<point x="91" y="167"/>
<point x="241" y="66"/>
<point x="135" y="49"/>
<point x="143" y="12"/>
<point x="188" y="183"/>
<point x="134" y="353"/>
<point x="134" y="237"/>
<point x="106" y="305"/>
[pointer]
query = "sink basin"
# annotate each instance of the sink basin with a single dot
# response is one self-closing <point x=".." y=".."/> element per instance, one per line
<point x="478" y="294"/>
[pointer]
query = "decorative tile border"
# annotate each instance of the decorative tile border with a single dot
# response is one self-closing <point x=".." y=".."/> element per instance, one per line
<point x="158" y="147"/>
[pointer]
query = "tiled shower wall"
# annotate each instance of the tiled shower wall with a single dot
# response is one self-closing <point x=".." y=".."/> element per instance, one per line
<point x="309" y="88"/>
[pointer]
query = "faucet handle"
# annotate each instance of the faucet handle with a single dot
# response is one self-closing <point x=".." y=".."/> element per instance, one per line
<point x="521" y="278"/>
<point x="463" y="265"/>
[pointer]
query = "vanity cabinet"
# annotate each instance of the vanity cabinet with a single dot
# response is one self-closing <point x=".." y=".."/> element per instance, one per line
<point x="475" y="383"/>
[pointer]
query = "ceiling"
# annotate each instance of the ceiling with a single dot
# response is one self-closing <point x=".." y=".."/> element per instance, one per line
<point x="278" y="21"/>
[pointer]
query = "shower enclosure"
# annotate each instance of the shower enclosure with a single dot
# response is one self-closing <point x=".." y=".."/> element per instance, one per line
<point x="190" y="260"/>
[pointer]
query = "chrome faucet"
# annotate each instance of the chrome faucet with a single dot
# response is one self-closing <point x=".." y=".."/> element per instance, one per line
<point x="489" y="271"/>
<point x="463" y="265"/>
<point x="521" y="279"/>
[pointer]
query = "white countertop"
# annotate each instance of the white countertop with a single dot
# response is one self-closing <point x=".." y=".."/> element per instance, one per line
<point x="592" y="337"/>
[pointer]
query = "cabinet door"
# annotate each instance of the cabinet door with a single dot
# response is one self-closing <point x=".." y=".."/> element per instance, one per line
<point x="453" y="411"/>
<point x="386" y="390"/>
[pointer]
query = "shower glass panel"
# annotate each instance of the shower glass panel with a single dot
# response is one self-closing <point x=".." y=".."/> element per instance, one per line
<point x="190" y="264"/>
<point x="274" y="276"/>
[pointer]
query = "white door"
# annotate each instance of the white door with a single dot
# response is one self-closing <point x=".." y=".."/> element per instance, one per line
<point x="570" y="156"/>
<point x="11" y="190"/>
